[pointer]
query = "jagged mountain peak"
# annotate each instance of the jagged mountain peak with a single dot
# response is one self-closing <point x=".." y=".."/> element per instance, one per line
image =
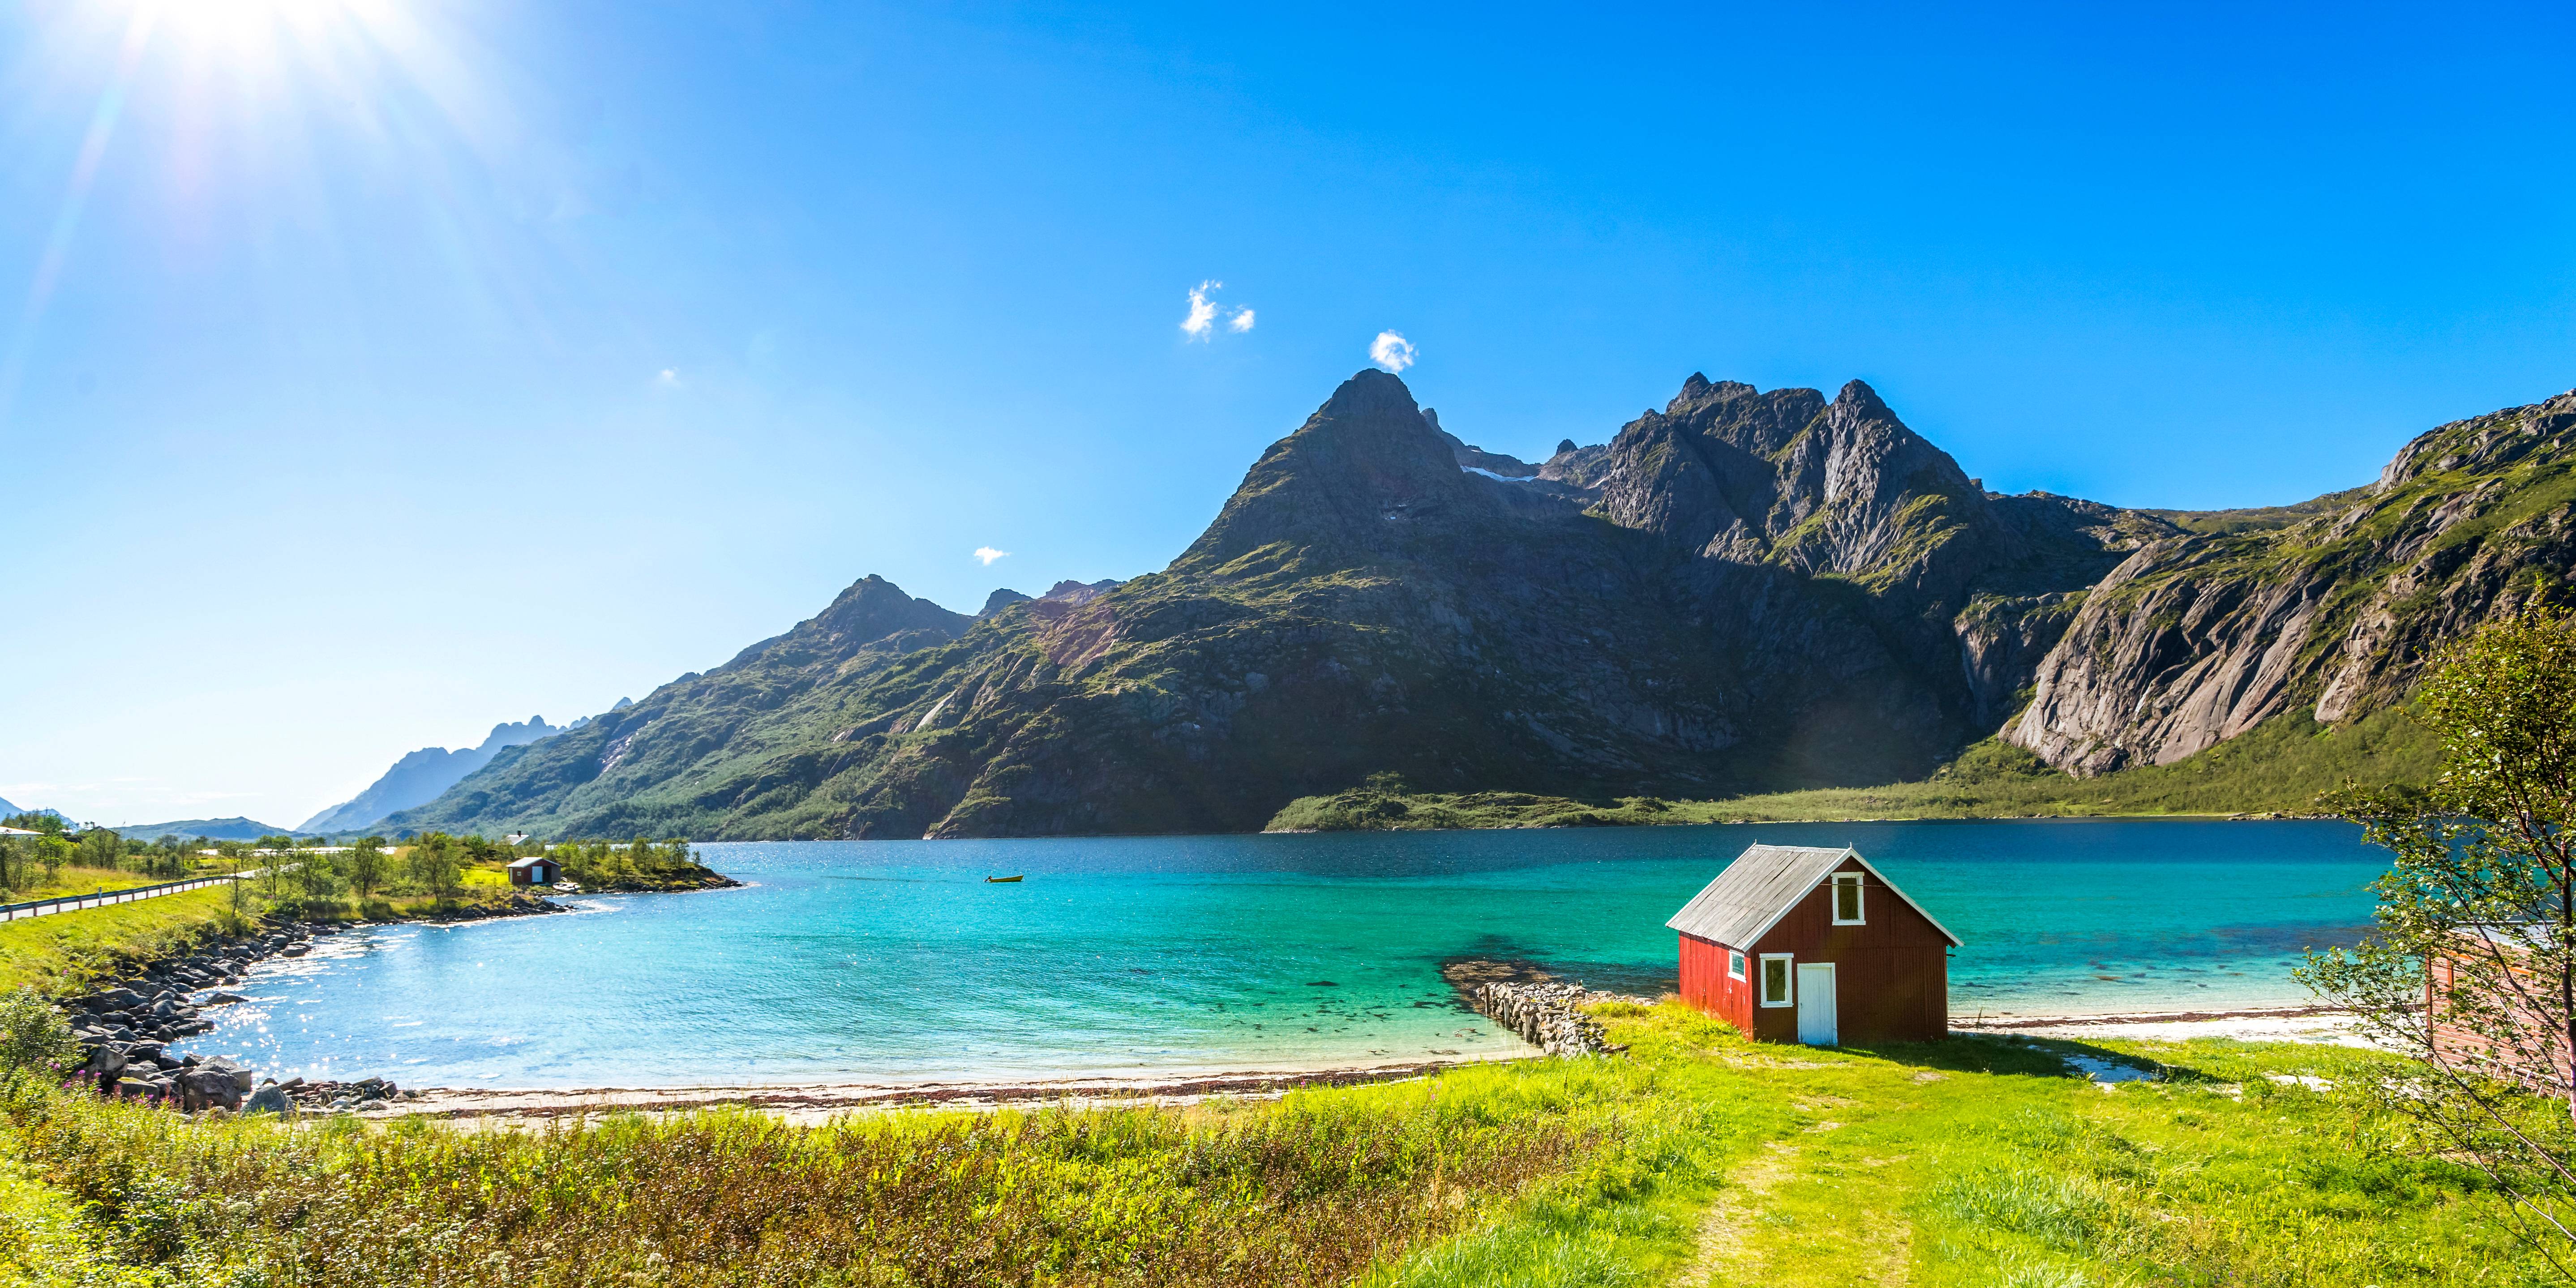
<point x="1369" y="393"/>
<point x="1859" y="399"/>
<point x="873" y="608"/>
<point x="1365" y="468"/>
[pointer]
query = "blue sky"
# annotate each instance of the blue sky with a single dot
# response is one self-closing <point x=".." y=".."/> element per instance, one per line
<point x="378" y="370"/>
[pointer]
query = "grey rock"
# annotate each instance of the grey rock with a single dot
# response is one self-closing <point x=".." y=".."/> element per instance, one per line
<point x="270" y="1099"/>
<point x="2194" y="640"/>
<point x="241" y="1074"/>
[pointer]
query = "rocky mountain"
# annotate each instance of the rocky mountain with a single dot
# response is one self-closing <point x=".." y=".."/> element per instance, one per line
<point x="1741" y="591"/>
<point x="420" y="776"/>
<point x="2195" y="639"/>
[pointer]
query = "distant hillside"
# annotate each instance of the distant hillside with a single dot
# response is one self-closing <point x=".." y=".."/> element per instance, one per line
<point x="2261" y="518"/>
<point x="419" y="777"/>
<point x="188" y="829"/>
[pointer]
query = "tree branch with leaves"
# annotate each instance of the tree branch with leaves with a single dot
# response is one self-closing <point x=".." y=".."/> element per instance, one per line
<point x="2471" y="967"/>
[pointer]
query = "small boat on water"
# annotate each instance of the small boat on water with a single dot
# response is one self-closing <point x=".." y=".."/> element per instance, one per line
<point x="999" y="880"/>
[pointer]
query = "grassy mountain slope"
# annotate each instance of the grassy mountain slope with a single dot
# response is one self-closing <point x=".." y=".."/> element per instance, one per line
<point x="2278" y="768"/>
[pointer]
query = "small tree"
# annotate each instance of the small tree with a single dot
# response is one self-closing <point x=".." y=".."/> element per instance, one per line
<point x="2472" y="968"/>
<point x="367" y="864"/>
<point x="33" y="1036"/>
<point x="230" y="855"/>
<point x="435" y="864"/>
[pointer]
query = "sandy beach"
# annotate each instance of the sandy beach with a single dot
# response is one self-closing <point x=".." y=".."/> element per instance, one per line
<point x="817" y="1102"/>
<point x="2273" y="1024"/>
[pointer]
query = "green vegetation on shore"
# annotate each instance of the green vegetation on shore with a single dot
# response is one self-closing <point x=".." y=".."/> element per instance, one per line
<point x="432" y="876"/>
<point x="2279" y="766"/>
<point x="1694" y="1158"/>
<point x="65" y="952"/>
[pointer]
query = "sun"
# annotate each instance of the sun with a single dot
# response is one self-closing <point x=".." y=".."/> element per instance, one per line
<point x="256" y="30"/>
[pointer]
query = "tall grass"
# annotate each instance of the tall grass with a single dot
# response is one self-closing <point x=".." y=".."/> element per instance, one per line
<point x="1969" y="1162"/>
<point x="66" y="951"/>
<point x="1313" y="1189"/>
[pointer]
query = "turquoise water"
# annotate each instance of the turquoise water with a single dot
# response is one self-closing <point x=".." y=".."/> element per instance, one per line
<point x="895" y="961"/>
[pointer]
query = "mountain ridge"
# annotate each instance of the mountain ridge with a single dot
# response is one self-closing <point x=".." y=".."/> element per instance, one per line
<point x="1744" y="591"/>
<point x="420" y="776"/>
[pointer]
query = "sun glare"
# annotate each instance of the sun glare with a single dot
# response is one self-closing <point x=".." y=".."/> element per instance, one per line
<point x="245" y="19"/>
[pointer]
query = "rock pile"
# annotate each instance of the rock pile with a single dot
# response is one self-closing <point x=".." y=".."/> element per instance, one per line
<point x="125" y="1028"/>
<point x="1544" y="1015"/>
<point x="326" y="1097"/>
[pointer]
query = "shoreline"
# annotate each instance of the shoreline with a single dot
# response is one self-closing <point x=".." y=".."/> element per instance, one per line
<point x="814" y="1102"/>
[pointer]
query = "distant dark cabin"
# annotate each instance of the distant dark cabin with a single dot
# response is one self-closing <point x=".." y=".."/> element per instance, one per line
<point x="538" y="871"/>
<point x="1800" y="944"/>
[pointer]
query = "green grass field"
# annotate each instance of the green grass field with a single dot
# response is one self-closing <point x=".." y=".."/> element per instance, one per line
<point x="64" y="952"/>
<point x="2279" y="766"/>
<point x="1695" y="1158"/>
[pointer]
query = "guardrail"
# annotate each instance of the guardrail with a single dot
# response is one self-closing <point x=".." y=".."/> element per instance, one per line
<point x="102" y="898"/>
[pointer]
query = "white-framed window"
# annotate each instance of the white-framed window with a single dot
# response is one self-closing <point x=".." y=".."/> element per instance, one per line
<point x="1847" y="899"/>
<point x="1734" y="964"/>
<point x="1779" y="980"/>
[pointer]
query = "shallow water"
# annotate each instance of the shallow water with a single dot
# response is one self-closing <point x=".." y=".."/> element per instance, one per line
<point x="896" y="961"/>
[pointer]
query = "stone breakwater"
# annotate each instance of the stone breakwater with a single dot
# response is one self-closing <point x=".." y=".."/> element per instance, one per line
<point x="125" y="1028"/>
<point x="1545" y="1015"/>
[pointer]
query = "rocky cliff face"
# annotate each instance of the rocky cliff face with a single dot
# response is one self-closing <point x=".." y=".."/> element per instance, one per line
<point x="2195" y="639"/>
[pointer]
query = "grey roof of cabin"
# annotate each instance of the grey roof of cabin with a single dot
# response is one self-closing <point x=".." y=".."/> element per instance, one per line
<point x="1745" y="899"/>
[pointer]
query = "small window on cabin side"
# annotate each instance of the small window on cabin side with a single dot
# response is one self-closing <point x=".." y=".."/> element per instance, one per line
<point x="1847" y="899"/>
<point x="1775" y="980"/>
<point x="1734" y="964"/>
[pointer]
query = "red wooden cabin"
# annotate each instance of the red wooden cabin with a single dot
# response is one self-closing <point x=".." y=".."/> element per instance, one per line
<point x="1795" y="943"/>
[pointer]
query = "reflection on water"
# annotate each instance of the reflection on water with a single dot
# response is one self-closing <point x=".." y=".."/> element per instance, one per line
<point x="895" y="960"/>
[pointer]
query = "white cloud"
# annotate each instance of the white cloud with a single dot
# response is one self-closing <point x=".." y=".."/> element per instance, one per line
<point x="1391" y="351"/>
<point x="1202" y="319"/>
<point x="989" y="554"/>
<point x="1204" y="310"/>
<point x="668" y="378"/>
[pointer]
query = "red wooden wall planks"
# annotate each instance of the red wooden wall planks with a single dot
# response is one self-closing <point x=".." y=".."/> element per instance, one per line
<point x="1891" y="973"/>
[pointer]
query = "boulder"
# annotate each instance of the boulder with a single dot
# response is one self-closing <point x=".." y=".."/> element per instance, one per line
<point x="241" y="1074"/>
<point x="207" y="1089"/>
<point x="222" y="999"/>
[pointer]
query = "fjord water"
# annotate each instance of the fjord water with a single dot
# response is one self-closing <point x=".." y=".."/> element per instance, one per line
<point x="897" y="961"/>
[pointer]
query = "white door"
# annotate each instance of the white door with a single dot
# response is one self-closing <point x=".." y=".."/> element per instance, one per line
<point x="1816" y="1026"/>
